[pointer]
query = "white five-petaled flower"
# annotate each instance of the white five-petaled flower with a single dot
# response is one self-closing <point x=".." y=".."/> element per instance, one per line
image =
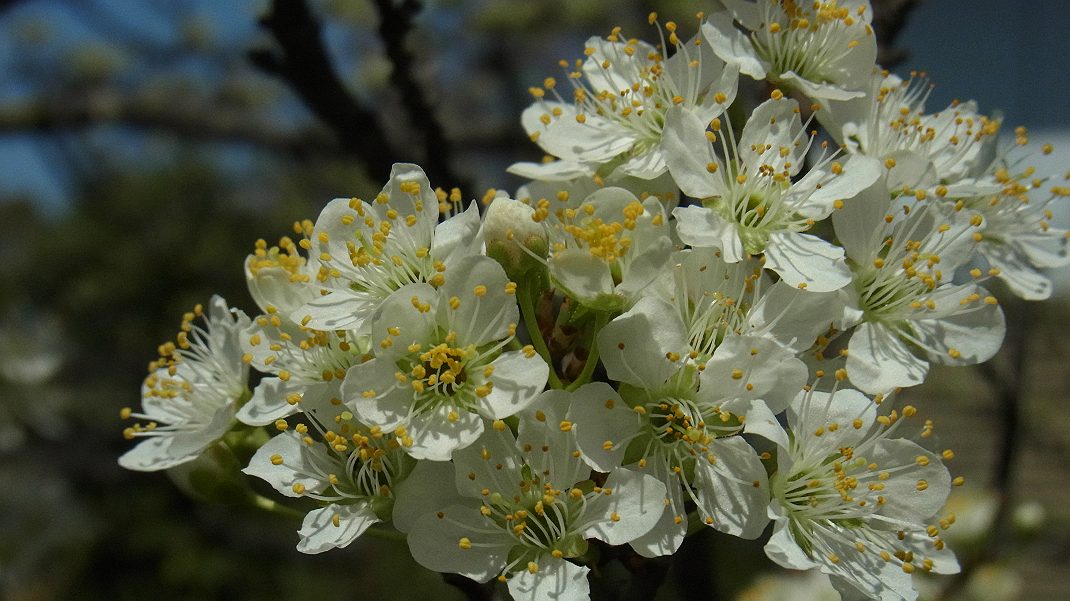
<point x="366" y="251"/>
<point x="940" y="153"/>
<point x="439" y="365"/>
<point x="192" y="392"/>
<point x="715" y="299"/>
<point x="306" y="366"/>
<point x="350" y="469"/>
<point x="851" y="500"/>
<point x="903" y="252"/>
<point x="1018" y="238"/>
<point x="676" y="415"/>
<point x="619" y="98"/>
<point x="281" y="276"/>
<point x="529" y="504"/>
<point x="825" y="50"/>
<point x="606" y="248"/>
<point x="750" y="205"/>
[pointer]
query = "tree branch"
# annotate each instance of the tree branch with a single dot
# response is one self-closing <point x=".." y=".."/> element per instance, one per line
<point x="1008" y="389"/>
<point x="303" y="63"/>
<point x="395" y="22"/>
<point x="190" y="119"/>
<point x="889" y="18"/>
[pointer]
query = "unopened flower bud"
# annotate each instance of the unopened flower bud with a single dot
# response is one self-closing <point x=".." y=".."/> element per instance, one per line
<point x="513" y="237"/>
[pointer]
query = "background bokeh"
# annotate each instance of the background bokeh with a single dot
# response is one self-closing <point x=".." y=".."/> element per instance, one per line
<point x="145" y="146"/>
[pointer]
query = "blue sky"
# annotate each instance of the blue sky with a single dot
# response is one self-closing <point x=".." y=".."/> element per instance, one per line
<point x="1009" y="56"/>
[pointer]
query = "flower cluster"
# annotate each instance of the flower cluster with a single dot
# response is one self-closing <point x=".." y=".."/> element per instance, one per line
<point x="686" y="319"/>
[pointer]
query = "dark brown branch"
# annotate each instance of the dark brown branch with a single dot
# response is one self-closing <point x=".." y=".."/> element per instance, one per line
<point x="1008" y="389"/>
<point x="889" y="18"/>
<point x="191" y="119"/>
<point x="303" y="63"/>
<point x="395" y="22"/>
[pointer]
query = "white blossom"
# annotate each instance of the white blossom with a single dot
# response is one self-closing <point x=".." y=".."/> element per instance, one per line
<point x="750" y="203"/>
<point x="368" y="250"/>
<point x="825" y="50"/>
<point x="529" y="506"/>
<point x="620" y="93"/>
<point x="850" y="499"/>
<point x="439" y="365"/>
<point x="189" y="399"/>
<point x="350" y="469"/>
<point x="903" y="253"/>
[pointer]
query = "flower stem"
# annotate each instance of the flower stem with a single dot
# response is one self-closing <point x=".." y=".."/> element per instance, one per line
<point x="269" y="505"/>
<point x="592" y="356"/>
<point x="377" y="531"/>
<point x="527" y="310"/>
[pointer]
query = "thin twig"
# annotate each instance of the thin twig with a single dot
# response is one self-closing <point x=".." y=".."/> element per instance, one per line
<point x="395" y="23"/>
<point x="1008" y="390"/>
<point x="191" y="118"/>
<point x="889" y="19"/>
<point x="303" y="63"/>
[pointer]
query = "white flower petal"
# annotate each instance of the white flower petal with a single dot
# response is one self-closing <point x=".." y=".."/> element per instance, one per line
<point x="878" y="361"/>
<point x="272" y="286"/>
<point x="761" y="422"/>
<point x="547" y="448"/>
<point x="582" y="275"/>
<point x="298" y="466"/>
<point x="477" y="465"/>
<point x="319" y="533"/>
<point x="371" y="390"/>
<point x="268" y="402"/>
<point x="815" y="409"/>
<point x="732" y="45"/>
<point x="518" y="379"/>
<point x="774" y="124"/>
<point x="426" y="489"/>
<point x="744" y="369"/>
<point x="687" y="154"/>
<point x="784" y="551"/>
<point x="905" y="500"/>
<point x="793" y="317"/>
<point x="646" y="165"/>
<point x="818" y="91"/>
<point x="702" y="228"/>
<point x="555" y="171"/>
<point x="423" y="205"/>
<point x="1045" y="250"/>
<point x="154" y="454"/>
<point x="594" y="140"/>
<point x="802" y="260"/>
<point x="437" y="434"/>
<point x="668" y="532"/>
<point x="636" y="502"/>
<point x="636" y="346"/>
<point x="435" y="543"/>
<point x="647" y="267"/>
<point x="859" y="173"/>
<point x="1020" y="276"/>
<point x="857" y="222"/>
<point x="972" y="334"/>
<point x="458" y="237"/>
<point x="339" y="310"/>
<point x="599" y="416"/>
<point x="486" y="311"/>
<point x="733" y="489"/>
<point x="413" y="325"/>
<point x="555" y="580"/>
